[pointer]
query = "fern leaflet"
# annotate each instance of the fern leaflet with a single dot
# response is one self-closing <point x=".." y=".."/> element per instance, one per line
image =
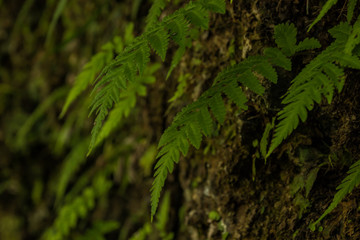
<point x="154" y="13"/>
<point x="285" y="38"/>
<point x="350" y="10"/>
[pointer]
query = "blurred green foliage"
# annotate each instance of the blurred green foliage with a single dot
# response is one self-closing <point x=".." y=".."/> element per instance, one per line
<point x="49" y="189"/>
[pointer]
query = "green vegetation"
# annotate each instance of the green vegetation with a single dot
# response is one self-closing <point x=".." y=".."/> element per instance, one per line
<point x="153" y="93"/>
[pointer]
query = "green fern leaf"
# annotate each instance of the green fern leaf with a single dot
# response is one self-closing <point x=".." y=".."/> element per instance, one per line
<point x="351" y="181"/>
<point x="289" y="118"/>
<point x="154" y="13"/>
<point x="285" y="37"/>
<point x="159" y="41"/>
<point x="129" y="72"/>
<point x="347" y="60"/>
<point x="323" y="11"/>
<point x="164" y="165"/>
<point x="350" y="9"/>
<point x="235" y="93"/>
<point x="115" y="75"/>
<point x="121" y="110"/>
<point x="277" y="58"/>
<point x="308" y="43"/>
<point x="71" y="164"/>
<point x="142" y="57"/>
<point x="249" y="80"/>
<point x="335" y="74"/>
<point x="341" y="31"/>
<point x="218" y="108"/>
<point x="176" y="59"/>
<point x="354" y="38"/>
<point x="182" y="143"/>
<point x="312" y="83"/>
<point x="198" y="16"/>
<point x="193" y="133"/>
<point x="88" y="75"/>
<point x="266" y="69"/>
<point x="195" y="119"/>
<point x="178" y="27"/>
<point x="217" y="6"/>
<point x="205" y="121"/>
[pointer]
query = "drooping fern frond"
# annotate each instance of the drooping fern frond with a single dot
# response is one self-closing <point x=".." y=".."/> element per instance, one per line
<point x="78" y="208"/>
<point x="328" y="5"/>
<point x="350" y="9"/>
<point x="58" y="11"/>
<point x="71" y="164"/>
<point x="98" y="230"/>
<point x="321" y="77"/>
<point x="351" y="181"/>
<point x="96" y="64"/>
<point x="127" y="102"/>
<point x="88" y="74"/>
<point x="115" y="76"/>
<point x="195" y="121"/>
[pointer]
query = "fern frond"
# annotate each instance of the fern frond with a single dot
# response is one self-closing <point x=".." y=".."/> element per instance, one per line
<point x="176" y="59"/>
<point x="318" y="78"/>
<point x="354" y="38"/>
<point x="277" y="58"/>
<point x="115" y="76"/>
<point x="159" y="41"/>
<point x="164" y="165"/>
<point x="217" y="107"/>
<point x="127" y="102"/>
<point x="350" y="9"/>
<point x="195" y="120"/>
<point x="323" y="11"/>
<point x="142" y="57"/>
<point x="285" y="37"/>
<point x="307" y="44"/>
<point x="198" y="15"/>
<point x="78" y="208"/>
<point x="98" y="230"/>
<point x="217" y="6"/>
<point x="328" y="5"/>
<point x="97" y="63"/>
<point x="205" y="121"/>
<point x="71" y="164"/>
<point x="88" y="75"/>
<point x="178" y="27"/>
<point x="351" y="181"/>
